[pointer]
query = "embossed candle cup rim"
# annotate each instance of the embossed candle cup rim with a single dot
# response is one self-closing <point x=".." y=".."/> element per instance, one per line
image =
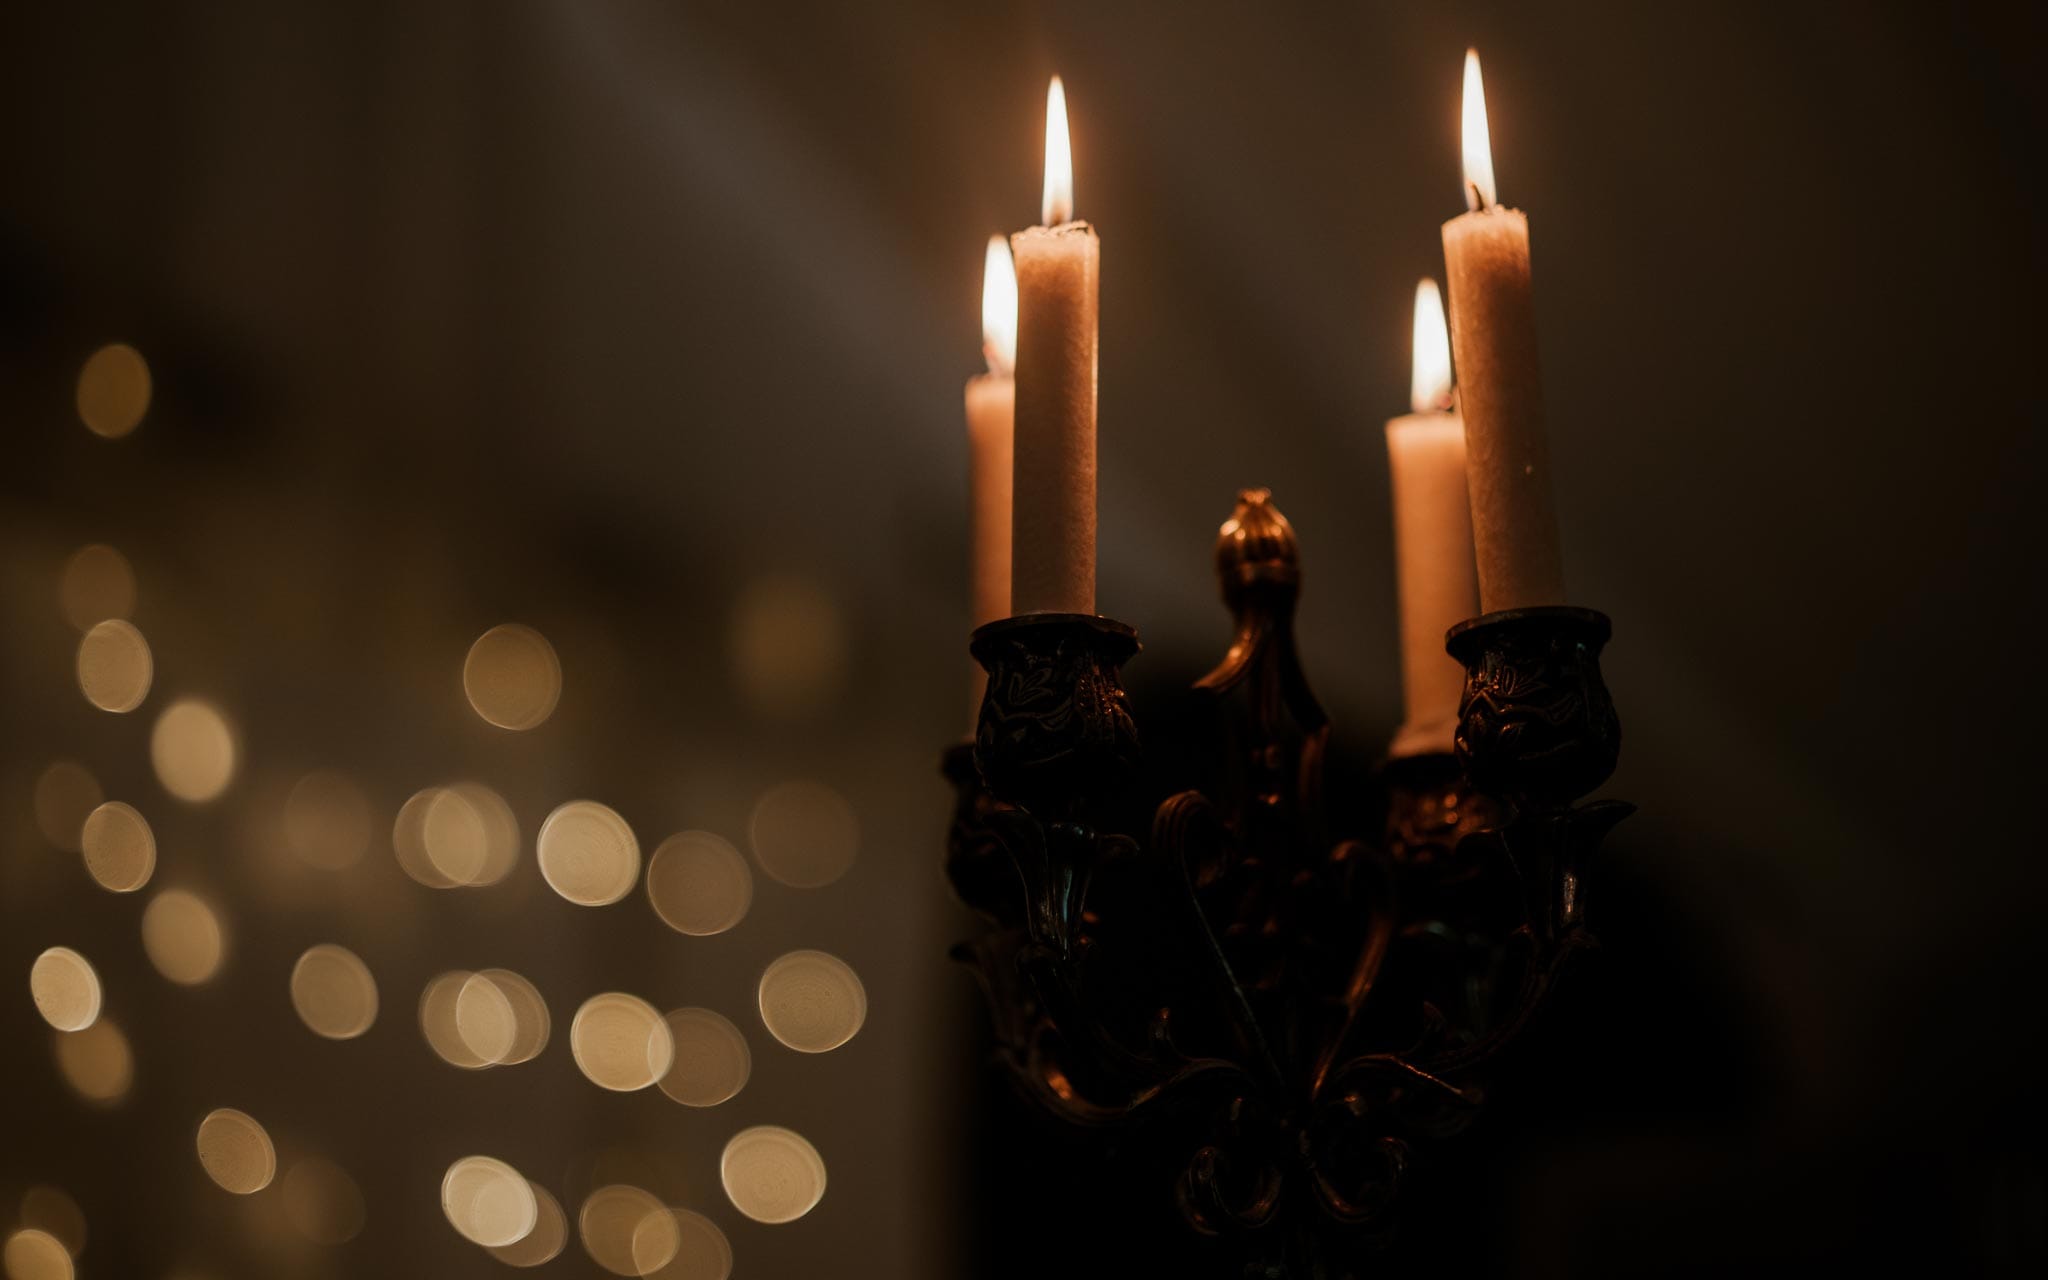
<point x="1119" y="640"/>
<point x="1470" y="638"/>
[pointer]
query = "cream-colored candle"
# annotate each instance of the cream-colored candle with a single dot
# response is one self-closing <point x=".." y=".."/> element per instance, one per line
<point x="1493" y="334"/>
<point x="1058" y="268"/>
<point x="1432" y="538"/>
<point x="991" y="403"/>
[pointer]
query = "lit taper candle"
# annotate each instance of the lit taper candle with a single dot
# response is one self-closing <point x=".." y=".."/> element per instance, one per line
<point x="1432" y="537"/>
<point x="1052" y="552"/>
<point x="991" y="404"/>
<point x="1493" y="334"/>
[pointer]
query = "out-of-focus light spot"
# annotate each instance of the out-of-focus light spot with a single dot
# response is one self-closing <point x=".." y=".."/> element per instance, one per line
<point x="702" y="1251"/>
<point x="484" y="1019"/>
<point x="488" y="1202"/>
<point x="183" y="937"/>
<point x="120" y="849"/>
<point x="588" y="854"/>
<point x="512" y="677"/>
<point x="66" y="990"/>
<point x="788" y="646"/>
<point x="65" y="794"/>
<point x="550" y="1233"/>
<point x="501" y="833"/>
<point x="611" y="1223"/>
<point x="699" y="884"/>
<point x="654" y="1242"/>
<point x="96" y="584"/>
<point x="334" y="993"/>
<point x="501" y="1017"/>
<point x="712" y="1061"/>
<point x="114" y="666"/>
<point x="322" y="1202"/>
<point x="49" y="1210"/>
<point x="804" y="834"/>
<point x="771" y="1174"/>
<point x="113" y="390"/>
<point x="34" y="1254"/>
<point x="409" y="840"/>
<point x="463" y="836"/>
<point x="620" y="1042"/>
<point x="327" y="820"/>
<point x="97" y="1062"/>
<point x="193" y="750"/>
<point x="812" y="1001"/>
<point x="438" y="1006"/>
<point x="235" y="1151"/>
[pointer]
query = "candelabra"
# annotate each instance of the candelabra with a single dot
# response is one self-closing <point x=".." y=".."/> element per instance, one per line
<point x="1283" y="1014"/>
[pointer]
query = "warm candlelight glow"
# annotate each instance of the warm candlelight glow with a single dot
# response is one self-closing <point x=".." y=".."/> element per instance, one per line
<point x="1059" y="158"/>
<point x="999" y="305"/>
<point x="1479" y="189"/>
<point x="1429" y="385"/>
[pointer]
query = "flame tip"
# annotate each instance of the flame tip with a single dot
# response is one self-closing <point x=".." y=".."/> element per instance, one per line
<point x="1057" y="205"/>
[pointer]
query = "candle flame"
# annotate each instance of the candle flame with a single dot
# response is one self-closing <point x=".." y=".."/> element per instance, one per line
<point x="1429" y="386"/>
<point x="1479" y="189"/>
<point x="1058" y="205"/>
<point x="999" y="307"/>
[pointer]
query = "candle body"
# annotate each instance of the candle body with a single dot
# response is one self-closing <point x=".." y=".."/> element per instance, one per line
<point x="1493" y="338"/>
<point x="1052" y="552"/>
<point x="991" y="404"/>
<point x="1433" y="572"/>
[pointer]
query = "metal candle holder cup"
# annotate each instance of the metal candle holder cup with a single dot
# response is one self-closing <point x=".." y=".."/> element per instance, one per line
<point x="1536" y="726"/>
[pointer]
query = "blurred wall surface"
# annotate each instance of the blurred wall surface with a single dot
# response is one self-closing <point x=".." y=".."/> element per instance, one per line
<point x="644" y="326"/>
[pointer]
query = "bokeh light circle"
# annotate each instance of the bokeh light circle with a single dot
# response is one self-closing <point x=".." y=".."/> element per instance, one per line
<point x="334" y="992"/>
<point x="804" y="834"/>
<point x="620" y="1042"/>
<point x="236" y="1151"/>
<point x="97" y="1062"/>
<point x="183" y="937"/>
<point x="35" y="1254"/>
<point x="611" y="1223"/>
<point x="114" y="666"/>
<point x="529" y="1021"/>
<point x="699" y="884"/>
<point x="119" y="847"/>
<point x="438" y="1006"/>
<point x="772" y="1174"/>
<point x="96" y="584"/>
<point x="812" y="1001"/>
<point x="702" y="1251"/>
<point x="65" y="988"/>
<point x="484" y="1019"/>
<point x="193" y="750"/>
<point x="512" y="677"/>
<point x="711" y="1060"/>
<point x="50" y="1210"/>
<point x="488" y="1202"/>
<point x="113" y="390"/>
<point x="542" y="1244"/>
<point x="588" y="853"/>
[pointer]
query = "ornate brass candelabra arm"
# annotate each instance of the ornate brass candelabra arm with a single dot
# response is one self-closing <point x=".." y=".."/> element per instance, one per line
<point x="1289" y="1017"/>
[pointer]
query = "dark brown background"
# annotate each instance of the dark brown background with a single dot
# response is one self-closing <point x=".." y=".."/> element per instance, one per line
<point x="589" y="315"/>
